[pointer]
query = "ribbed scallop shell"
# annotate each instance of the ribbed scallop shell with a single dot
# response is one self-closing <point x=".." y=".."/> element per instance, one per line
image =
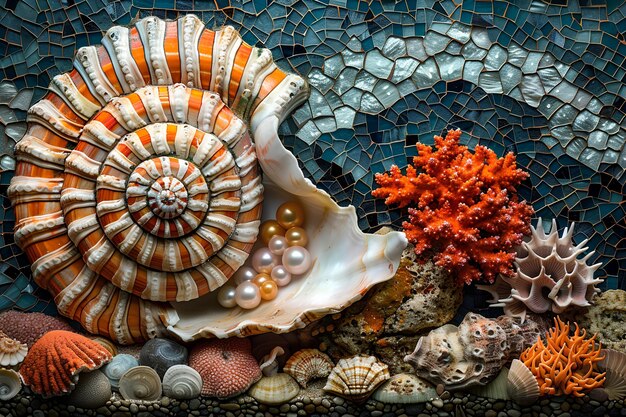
<point x="357" y="377"/>
<point x="140" y="383"/>
<point x="136" y="182"/>
<point x="118" y="367"/>
<point x="12" y="352"/>
<point x="275" y="389"/>
<point x="614" y="364"/>
<point x="308" y="364"/>
<point x="182" y="382"/>
<point x="522" y="386"/>
<point x="10" y="384"/>
<point x="549" y="277"/>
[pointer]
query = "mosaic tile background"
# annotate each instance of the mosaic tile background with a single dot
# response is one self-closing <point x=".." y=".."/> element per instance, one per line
<point x="544" y="79"/>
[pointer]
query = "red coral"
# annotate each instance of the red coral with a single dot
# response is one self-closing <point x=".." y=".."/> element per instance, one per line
<point x="467" y="207"/>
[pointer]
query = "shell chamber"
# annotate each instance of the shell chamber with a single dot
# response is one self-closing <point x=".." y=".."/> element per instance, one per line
<point x="137" y="180"/>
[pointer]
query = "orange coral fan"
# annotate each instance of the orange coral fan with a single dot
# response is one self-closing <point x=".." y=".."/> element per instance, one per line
<point x="54" y="361"/>
<point x="565" y="364"/>
<point x="467" y="207"/>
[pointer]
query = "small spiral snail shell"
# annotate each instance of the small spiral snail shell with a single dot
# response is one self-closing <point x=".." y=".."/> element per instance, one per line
<point x="10" y="384"/>
<point x="118" y="367"/>
<point x="140" y="383"/>
<point x="161" y="354"/>
<point x="182" y="382"/>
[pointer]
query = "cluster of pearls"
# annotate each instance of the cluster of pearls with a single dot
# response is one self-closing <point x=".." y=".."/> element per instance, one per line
<point x="274" y="265"/>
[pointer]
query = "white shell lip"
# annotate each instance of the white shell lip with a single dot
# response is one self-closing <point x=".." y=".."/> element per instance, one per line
<point x="347" y="262"/>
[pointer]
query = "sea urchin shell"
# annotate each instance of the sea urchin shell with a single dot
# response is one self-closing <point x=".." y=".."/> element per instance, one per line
<point x="52" y="365"/>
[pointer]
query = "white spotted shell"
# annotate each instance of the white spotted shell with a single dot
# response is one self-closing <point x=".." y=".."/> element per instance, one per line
<point x="182" y="382"/>
<point x="308" y="364"/>
<point x="10" y="384"/>
<point x="405" y="389"/>
<point x="140" y="383"/>
<point x="357" y="377"/>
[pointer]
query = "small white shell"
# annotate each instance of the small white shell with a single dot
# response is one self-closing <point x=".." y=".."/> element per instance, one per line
<point x="614" y="364"/>
<point x="269" y="362"/>
<point x="182" y="382"/>
<point x="405" y="389"/>
<point x="496" y="389"/>
<point x="140" y="383"/>
<point x="10" y="384"/>
<point x="118" y="367"/>
<point x="522" y="386"/>
<point x="275" y="389"/>
<point x="357" y="377"/>
<point x="308" y="364"/>
<point x="12" y="352"/>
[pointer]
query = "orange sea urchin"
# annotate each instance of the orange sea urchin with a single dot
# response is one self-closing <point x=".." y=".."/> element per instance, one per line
<point x="565" y="364"/>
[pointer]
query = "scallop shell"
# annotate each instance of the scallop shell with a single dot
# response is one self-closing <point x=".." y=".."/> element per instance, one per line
<point x="275" y="389"/>
<point x="496" y="389"/>
<point x="308" y="364"/>
<point x="182" y="382"/>
<point x="12" y="352"/>
<point x="549" y="276"/>
<point x="614" y="364"/>
<point x="140" y="383"/>
<point x="10" y="384"/>
<point x="405" y="389"/>
<point x="522" y="386"/>
<point x="118" y="367"/>
<point x="357" y="377"/>
<point x="137" y="190"/>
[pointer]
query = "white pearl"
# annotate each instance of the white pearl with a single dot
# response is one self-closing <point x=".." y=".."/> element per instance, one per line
<point x="243" y="274"/>
<point x="247" y="295"/>
<point x="281" y="276"/>
<point x="263" y="260"/>
<point x="226" y="296"/>
<point x="296" y="260"/>
<point x="277" y="244"/>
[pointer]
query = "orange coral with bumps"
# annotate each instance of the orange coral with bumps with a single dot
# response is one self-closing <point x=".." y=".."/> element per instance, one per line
<point x="467" y="211"/>
<point x="565" y="364"/>
<point x="53" y="363"/>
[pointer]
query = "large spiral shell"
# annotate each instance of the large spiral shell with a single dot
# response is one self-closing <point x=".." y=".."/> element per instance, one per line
<point x="137" y="182"/>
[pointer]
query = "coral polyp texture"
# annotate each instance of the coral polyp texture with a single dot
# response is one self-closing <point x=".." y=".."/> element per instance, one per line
<point x="549" y="275"/>
<point x="565" y="364"/>
<point x="466" y="210"/>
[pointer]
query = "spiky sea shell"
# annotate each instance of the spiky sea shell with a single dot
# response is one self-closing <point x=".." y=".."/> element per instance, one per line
<point x="53" y="363"/>
<point x="12" y="352"/>
<point x="137" y="184"/>
<point x="182" y="382"/>
<point x="275" y="389"/>
<point x="118" y="367"/>
<point x="522" y="386"/>
<point x="140" y="383"/>
<point x="357" y="377"/>
<point x="614" y="364"/>
<point x="549" y="276"/>
<point x="308" y="364"/>
<point x="10" y="384"/>
<point x="405" y="389"/>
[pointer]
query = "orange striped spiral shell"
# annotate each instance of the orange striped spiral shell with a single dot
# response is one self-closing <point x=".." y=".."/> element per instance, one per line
<point x="137" y="181"/>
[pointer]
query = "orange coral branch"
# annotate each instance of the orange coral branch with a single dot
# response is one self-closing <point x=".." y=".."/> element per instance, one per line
<point x="565" y="364"/>
<point x="467" y="210"/>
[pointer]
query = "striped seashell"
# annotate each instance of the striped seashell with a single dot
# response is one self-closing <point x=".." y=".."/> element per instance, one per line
<point x="140" y="383"/>
<point x="12" y="352"/>
<point x="614" y="364"/>
<point x="357" y="377"/>
<point x="308" y="364"/>
<point x="522" y="386"/>
<point x="182" y="382"/>
<point x="10" y="384"/>
<point x="137" y="181"/>
<point x="275" y="389"/>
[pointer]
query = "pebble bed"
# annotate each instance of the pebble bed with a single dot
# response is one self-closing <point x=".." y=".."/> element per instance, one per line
<point x="454" y="405"/>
